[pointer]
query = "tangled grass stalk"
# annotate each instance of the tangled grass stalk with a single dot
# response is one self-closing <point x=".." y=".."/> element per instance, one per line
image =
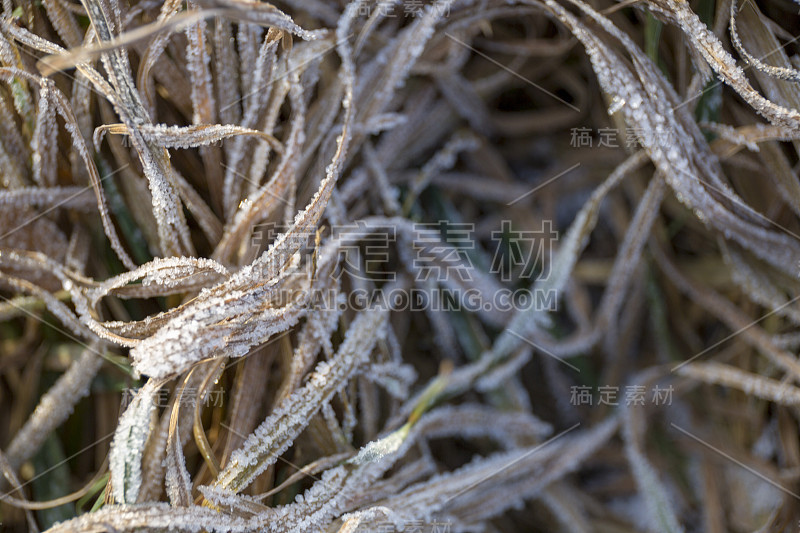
<point x="449" y="265"/>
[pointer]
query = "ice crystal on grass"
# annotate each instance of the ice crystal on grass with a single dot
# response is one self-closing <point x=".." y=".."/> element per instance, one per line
<point x="55" y="406"/>
<point x="125" y="457"/>
<point x="297" y="243"/>
<point x="278" y="431"/>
